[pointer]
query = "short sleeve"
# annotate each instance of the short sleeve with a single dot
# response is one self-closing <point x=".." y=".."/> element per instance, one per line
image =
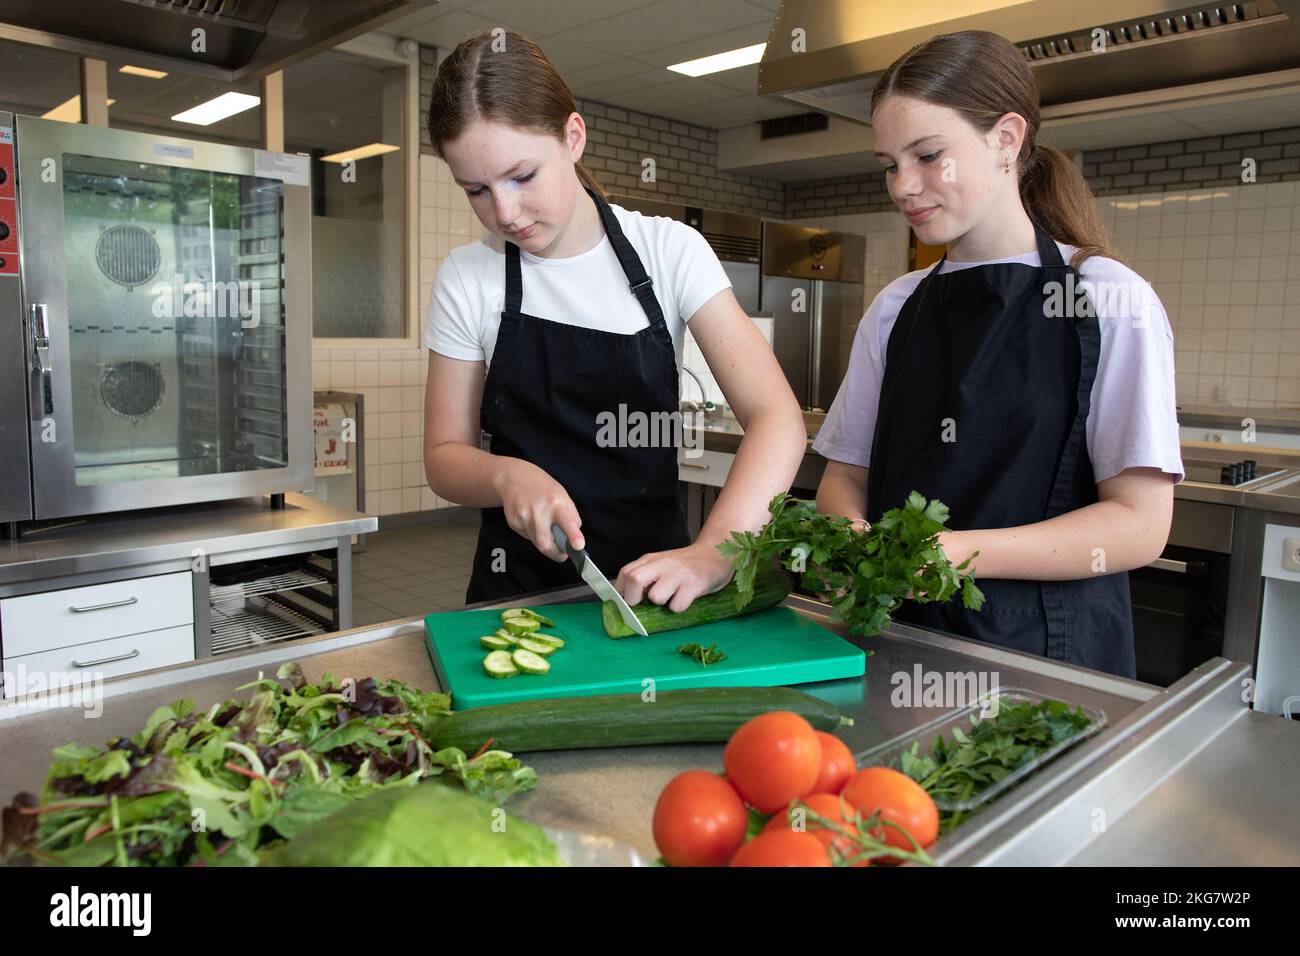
<point x="697" y="274"/>
<point x="1133" y="421"/>
<point x="850" y="424"/>
<point x="451" y="326"/>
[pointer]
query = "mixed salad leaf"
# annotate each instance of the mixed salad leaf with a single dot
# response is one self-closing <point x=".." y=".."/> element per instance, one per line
<point x="212" y="787"/>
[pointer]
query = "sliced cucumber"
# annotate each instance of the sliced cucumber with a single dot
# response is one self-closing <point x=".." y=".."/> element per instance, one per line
<point x="494" y="643"/>
<point x="524" y="612"/>
<point x="521" y="626"/>
<point x="556" y="642"/>
<point x="535" y="646"/>
<point x="500" y="664"/>
<point x="506" y="636"/>
<point x="528" y="662"/>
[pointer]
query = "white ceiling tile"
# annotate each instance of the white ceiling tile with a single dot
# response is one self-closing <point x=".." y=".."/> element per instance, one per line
<point x="663" y="24"/>
<point x="449" y="28"/>
<point x="569" y="57"/>
<point x="737" y="111"/>
<point x="708" y="44"/>
<point x="672" y="96"/>
<point x="536" y="19"/>
<point x="743" y="79"/>
<point x="618" y="69"/>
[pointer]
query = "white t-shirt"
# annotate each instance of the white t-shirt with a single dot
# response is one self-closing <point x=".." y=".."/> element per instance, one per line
<point x="1132" y="421"/>
<point x="588" y="290"/>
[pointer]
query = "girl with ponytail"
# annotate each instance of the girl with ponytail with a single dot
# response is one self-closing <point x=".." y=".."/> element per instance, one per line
<point x="1026" y="380"/>
<point x="560" y="335"/>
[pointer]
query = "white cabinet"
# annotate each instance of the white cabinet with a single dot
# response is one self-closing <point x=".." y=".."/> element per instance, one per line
<point x="101" y="629"/>
<point x="699" y="467"/>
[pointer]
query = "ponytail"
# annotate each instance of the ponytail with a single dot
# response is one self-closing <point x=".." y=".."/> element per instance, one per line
<point x="1059" y="201"/>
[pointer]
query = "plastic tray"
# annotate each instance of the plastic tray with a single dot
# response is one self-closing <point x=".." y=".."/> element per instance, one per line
<point x="889" y="754"/>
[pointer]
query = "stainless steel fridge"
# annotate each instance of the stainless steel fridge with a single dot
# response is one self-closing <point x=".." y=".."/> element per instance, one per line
<point x="812" y="286"/>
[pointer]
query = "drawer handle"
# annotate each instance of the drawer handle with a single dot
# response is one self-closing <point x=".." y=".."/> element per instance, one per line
<point x="106" y="660"/>
<point x="100" y="607"/>
<point x="687" y="464"/>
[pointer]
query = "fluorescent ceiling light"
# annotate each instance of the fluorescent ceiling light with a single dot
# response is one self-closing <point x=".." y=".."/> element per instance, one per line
<point x="143" y="71"/>
<point x="69" y="111"/>
<point x="215" y="110"/>
<point x="361" y="152"/>
<point x="721" y="61"/>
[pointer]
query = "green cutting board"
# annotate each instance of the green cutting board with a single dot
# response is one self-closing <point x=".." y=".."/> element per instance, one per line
<point x="766" y="649"/>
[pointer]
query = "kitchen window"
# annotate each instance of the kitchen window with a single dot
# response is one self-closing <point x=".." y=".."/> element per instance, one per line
<point x="353" y="110"/>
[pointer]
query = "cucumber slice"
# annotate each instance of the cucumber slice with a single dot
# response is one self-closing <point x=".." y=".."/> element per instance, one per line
<point x="524" y="612"/>
<point x="539" y="637"/>
<point x="506" y="636"/>
<point x="500" y="664"/>
<point x="528" y="662"/>
<point x="533" y="646"/>
<point x="522" y="626"/>
<point x="494" y="643"/>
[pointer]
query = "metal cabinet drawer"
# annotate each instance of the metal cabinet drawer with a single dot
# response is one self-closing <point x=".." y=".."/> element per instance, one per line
<point x="710" y="468"/>
<point x="34" y="623"/>
<point x="84" y="663"/>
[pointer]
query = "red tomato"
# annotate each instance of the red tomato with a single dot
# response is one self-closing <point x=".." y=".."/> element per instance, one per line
<point x="897" y="798"/>
<point x="699" y="820"/>
<point x="837" y="764"/>
<point x="782" y="848"/>
<point x="773" y="759"/>
<point x="830" y="806"/>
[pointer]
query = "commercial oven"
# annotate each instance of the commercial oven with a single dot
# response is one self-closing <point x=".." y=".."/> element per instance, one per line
<point x="155" y="321"/>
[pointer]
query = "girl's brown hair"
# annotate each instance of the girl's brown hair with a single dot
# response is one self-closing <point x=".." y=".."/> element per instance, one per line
<point x="983" y="76"/>
<point x="504" y="77"/>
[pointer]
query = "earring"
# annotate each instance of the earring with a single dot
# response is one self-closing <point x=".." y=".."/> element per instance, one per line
<point x="1006" y="164"/>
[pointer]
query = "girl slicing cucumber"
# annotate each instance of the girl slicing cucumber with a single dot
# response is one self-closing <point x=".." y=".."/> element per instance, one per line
<point x="570" y="313"/>
<point x="1050" y="432"/>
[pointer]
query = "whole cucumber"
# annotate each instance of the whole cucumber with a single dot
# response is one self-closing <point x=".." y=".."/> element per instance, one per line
<point x="695" y="715"/>
<point x="771" y="587"/>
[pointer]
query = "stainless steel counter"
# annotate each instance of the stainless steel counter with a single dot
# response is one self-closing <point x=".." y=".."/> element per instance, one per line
<point x="1193" y="747"/>
<point x="140" y="538"/>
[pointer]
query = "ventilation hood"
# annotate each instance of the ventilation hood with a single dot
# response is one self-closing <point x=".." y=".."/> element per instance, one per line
<point x="1172" y="46"/>
<point x="242" y="39"/>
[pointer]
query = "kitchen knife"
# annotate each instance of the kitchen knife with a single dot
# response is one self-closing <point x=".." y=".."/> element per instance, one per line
<point x="597" y="581"/>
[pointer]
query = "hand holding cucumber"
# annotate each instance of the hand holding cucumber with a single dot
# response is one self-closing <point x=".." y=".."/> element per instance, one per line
<point x="533" y="501"/>
<point x="675" y="578"/>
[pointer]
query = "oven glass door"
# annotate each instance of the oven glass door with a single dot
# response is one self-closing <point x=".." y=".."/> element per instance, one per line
<point x="162" y="291"/>
<point x="175" y="370"/>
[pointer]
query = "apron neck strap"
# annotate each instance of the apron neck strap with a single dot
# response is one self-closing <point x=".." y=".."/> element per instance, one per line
<point x="1048" y="255"/>
<point x="638" y="281"/>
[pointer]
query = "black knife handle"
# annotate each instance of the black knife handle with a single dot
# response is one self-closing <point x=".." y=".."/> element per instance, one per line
<point x="578" y="555"/>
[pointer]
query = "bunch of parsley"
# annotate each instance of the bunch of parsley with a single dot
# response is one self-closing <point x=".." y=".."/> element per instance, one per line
<point x="869" y="573"/>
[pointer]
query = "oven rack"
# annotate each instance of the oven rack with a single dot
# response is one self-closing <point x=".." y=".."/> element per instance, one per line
<point x="258" y="622"/>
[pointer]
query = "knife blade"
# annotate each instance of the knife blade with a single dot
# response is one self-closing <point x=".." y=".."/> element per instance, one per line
<point x="595" y="580"/>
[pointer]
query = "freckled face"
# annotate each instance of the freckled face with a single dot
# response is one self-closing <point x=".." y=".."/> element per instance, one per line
<point x="520" y="183"/>
<point x="942" y="173"/>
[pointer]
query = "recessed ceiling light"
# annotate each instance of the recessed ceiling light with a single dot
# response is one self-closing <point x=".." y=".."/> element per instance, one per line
<point x="69" y="111"/>
<point x="721" y="61"/>
<point x="361" y="152"/>
<point x="143" y="71"/>
<point x="215" y="110"/>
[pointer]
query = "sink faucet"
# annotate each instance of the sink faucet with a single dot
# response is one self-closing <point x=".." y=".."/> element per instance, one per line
<point x="707" y="406"/>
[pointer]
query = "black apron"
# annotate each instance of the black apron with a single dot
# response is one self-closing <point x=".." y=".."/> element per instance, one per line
<point x="973" y="356"/>
<point x="546" y="397"/>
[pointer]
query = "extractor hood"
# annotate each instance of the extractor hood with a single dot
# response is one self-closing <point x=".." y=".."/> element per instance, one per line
<point x="847" y="44"/>
<point x="240" y="39"/>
